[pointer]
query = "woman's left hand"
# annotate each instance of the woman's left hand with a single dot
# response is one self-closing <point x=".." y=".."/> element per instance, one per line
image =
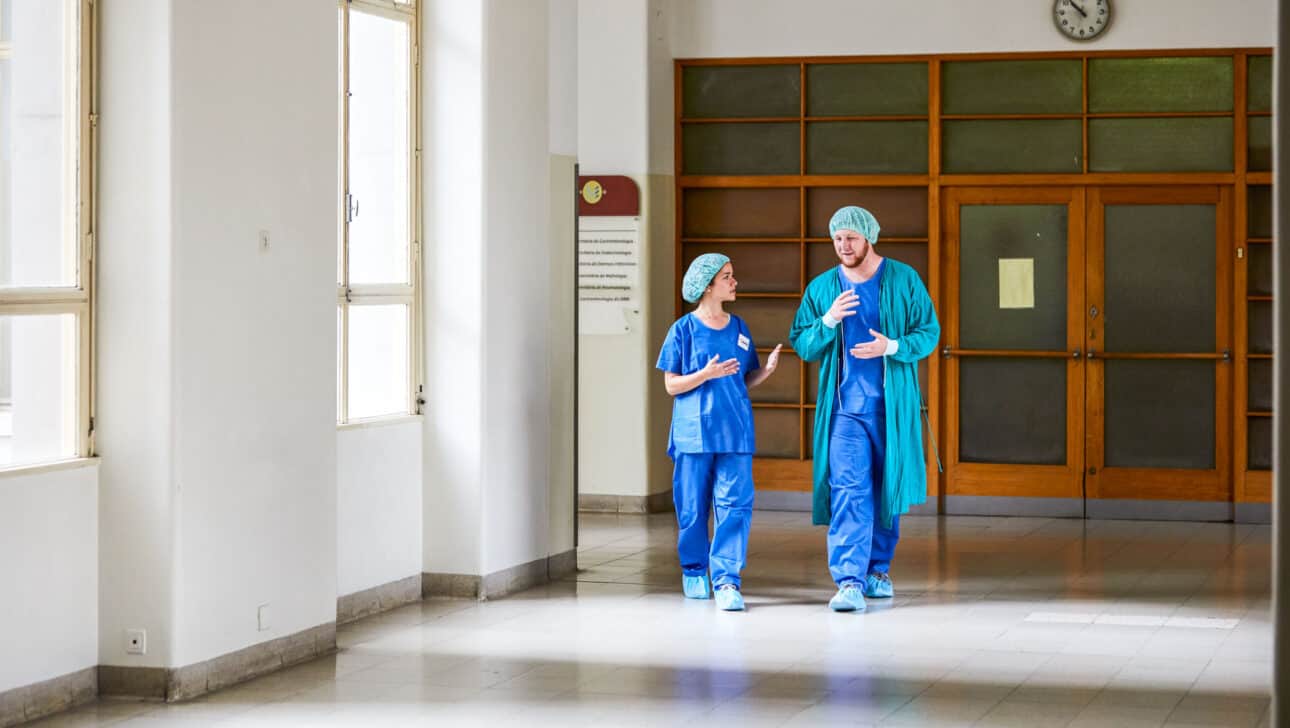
<point x="772" y="361"/>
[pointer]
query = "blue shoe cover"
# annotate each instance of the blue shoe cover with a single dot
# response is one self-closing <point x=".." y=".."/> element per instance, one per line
<point x="729" y="599"/>
<point x="878" y="586"/>
<point x="848" y="599"/>
<point x="695" y="587"/>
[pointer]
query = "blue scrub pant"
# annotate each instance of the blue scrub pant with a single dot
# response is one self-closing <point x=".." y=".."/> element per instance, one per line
<point x="702" y="483"/>
<point x="857" y="544"/>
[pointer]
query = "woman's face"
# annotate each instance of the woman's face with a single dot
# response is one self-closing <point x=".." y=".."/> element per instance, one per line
<point x="723" y="285"/>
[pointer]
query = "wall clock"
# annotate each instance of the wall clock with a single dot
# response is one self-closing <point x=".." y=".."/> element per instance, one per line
<point x="1081" y="19"/>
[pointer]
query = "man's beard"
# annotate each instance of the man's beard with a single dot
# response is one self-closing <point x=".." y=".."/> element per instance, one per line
<point x="860" y="258"/>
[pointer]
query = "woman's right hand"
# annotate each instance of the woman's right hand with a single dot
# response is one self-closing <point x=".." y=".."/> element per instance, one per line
<point x="844" y="305"/>
<point x="717" y="369"/>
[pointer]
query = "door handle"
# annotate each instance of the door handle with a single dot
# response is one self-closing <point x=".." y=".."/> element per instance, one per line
<point x="1075" y="354"/>
<point x="1089" y="355"/>
<point x="947" y="352"/>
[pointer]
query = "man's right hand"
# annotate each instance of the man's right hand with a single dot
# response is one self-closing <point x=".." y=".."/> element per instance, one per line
<point x="844" y="305"/>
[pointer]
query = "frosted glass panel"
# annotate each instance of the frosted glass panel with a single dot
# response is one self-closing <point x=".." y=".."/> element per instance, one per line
<point x="39" y="143"/>
<point x="38" y="363"/>
<point x="1023" y="423"/>
<point x="379" y="381"/>
<point x="379" y="156"/>
<point x="741" y="91"/>
<point x="866" y="89"/>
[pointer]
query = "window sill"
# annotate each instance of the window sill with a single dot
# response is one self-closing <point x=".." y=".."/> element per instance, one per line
<point x="379" y="422"/>
<point x="19" y="471"/>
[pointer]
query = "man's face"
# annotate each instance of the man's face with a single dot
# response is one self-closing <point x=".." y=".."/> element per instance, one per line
<point x="851" y="247"/>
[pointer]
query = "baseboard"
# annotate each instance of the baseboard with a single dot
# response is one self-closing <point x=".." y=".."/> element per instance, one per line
<point x="1158" y="510"/>
<point x="991" y="505"/>
<point x="598" y="503"/>
<point x="500" y="583"/>
<point x="190" y="681"/>
<point x="378" y="599"/>
<point x="1260" y="513"/>
<point x="32" y="702"/>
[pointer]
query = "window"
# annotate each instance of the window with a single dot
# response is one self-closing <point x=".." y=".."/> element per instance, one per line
<point x="46" y="238"/>
<point x="377" y="317"/>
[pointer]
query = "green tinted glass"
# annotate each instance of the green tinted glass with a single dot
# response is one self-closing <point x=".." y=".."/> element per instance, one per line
<point x="866" y="89"/>
<point x="1259" y="281"/>
<point x="1012" y="146"/>
<point x="741" y="91"/>
<point x="1160" y="145"/>
<point x="1160" y="308"/>
<point x="992" y="240"/>
<point x="1260" y="144"/>
<point x="1022" y="423"/>
<point x="1160" y="84"/>
<point x="753" y="148"/>
<point x="1159" y="414"/>
<point x="1260" y="443"/>
<point x="1258" y="84"/>
<point x="1259" y="209"/>
<point x="866" y="147"/>
<point x="1012" y="87"/>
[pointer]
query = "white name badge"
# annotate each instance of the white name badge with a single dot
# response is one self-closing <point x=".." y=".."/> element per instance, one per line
<point x="744" y="342"/>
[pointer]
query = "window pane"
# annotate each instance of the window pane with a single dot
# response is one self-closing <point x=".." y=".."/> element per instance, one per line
<point x="1259" y="327"/>
<point x="1012" y="87"/>
<point x="1159" y="84"/>
<point x="778" y="432"/>
<point x="379" y="155"/>
<point x="901" y="211"/>
<point x="713" y="213"/>
<point x="769" y="319"/>
<point x="1160" y="145"/>
<point x="38" y="360"/>
<point x="741" y="91"/>
<point x="991" y="233"/>
<point x="1159" y="414"/>
<point x="1259" y="209"/>
<point x="379" y="382"/>
<point x="983" y="147"/>
<point x="1260" y="443"/>
<point x="759" y="267"/>
<point x="785" y="384"/>
<point x="1023" y="423"/>
<point x="866" y="89"/>
<point x="1259" y="282"/>
<point x="1259" y="84"/>
<point x="866" y="147"/>
<point x="741" y="148"/>
<point x="1160" y="308"/>
<point x="39" y="142"/>
<point x="1259" y="385"/>
<point x="1260" y="144"/>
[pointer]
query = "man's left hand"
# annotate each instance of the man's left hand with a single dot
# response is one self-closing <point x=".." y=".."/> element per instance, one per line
<point x="871" y="349"/>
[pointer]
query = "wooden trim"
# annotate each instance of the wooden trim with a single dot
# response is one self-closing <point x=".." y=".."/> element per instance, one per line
<point x="976" y="56"/>
<point x="807" y="180"/>
<point x="935" y="280"/>
<point x="1010" y="353"/>
<point x="783" y="474"/>
<point x="1257" y="486"/>
<point x="1195" y="356"/>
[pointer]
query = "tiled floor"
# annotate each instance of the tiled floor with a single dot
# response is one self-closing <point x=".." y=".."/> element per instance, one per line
<point x="996" y="622"/>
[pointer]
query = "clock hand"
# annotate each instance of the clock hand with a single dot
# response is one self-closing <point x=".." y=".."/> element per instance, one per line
<point x="1081" y="10"/>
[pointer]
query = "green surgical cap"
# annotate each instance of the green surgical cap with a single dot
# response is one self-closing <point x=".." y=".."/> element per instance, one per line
<point x="857" y="219"/>
<point x="700" y="274"/>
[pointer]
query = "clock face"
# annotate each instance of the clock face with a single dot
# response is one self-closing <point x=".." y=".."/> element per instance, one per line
<point x="1082" y="19"/>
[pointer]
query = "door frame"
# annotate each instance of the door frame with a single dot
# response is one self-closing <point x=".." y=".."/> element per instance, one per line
<point x="992" y="479"/>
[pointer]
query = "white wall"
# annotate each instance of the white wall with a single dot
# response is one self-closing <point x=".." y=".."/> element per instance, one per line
<point x="490" y="460"/>
<point x="763" y="28"/>
<point x="49" y="565"/>
<point x="452" y="72"/>
<point x="622" y="443"/>
<point x="378" y="507"/>
<point x="255" y="332"/>
<point x="135" y="427"/>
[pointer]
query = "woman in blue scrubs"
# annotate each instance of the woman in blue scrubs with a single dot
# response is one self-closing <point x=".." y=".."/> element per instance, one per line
<point x="709" y="363"/>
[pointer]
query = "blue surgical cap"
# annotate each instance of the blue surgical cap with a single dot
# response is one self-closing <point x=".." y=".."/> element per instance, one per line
<point x="857" y="219"/>
<point x="700" y="274"/>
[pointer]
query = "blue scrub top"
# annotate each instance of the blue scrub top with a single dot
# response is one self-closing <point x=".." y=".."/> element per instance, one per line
<point x="860" y="392"/>
<point x="716" y="416"/>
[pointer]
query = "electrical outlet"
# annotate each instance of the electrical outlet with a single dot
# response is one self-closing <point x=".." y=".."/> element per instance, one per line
<point x="264" y="241"/>
<point x="136" y="641"/>
<point x="262" y="616"/>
